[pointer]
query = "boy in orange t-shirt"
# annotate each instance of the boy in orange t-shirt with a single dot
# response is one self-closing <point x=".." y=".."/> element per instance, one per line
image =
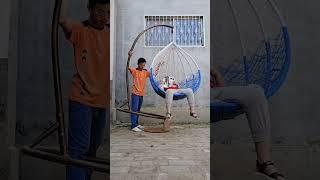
<point x="140" y="76"/>
<point x="89" y="96"/>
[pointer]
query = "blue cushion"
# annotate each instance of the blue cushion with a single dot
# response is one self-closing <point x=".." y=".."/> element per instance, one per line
<point x="224" y="110"/>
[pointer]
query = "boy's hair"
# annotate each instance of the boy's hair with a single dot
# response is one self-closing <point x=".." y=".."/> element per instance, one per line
<point x="93" y="3"/>
<point x="141" y="60"/>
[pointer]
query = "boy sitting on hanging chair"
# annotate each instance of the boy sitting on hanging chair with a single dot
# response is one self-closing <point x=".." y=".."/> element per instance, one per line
<point x="170" y="86"/>
<point x="255" y="105"/>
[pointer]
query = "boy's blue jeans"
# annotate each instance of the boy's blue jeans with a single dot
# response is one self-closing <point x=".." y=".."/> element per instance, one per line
<point x="85" y="135"/>
<point x="136" y="103"/>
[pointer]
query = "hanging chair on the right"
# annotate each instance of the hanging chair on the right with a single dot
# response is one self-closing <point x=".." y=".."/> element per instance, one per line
<point x="173" y="60"/>
<point x="267" y="67"/>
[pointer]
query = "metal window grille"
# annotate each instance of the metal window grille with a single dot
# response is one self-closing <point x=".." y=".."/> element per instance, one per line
<point x="188" y="31"/>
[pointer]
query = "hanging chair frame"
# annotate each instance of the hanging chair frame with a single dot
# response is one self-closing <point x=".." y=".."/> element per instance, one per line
<point x="127" y="102"/>
<point x="60" y="155"/>
<point x="176" y="96"/>
<point x="272" y="89"/>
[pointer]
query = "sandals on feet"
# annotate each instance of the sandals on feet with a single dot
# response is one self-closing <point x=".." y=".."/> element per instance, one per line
<point x="194" y="115"/>
<point x="169" y="116"/>
<point x="267" y="168"/>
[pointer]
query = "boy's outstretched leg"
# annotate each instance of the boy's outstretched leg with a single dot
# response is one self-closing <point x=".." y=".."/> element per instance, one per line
<point x="191" y="101"/>
<point x="169" y="100"/>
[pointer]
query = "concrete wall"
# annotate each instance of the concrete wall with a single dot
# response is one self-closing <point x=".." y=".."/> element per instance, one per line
<point x="294" y="108"/>
<point x="4" y="42"/>
<point x="5" y="27"/>
<point x="113" y="17"/>
<point x="297" y="102"/>
<point x="130" y="22"/>
<point x="3" y="91"/>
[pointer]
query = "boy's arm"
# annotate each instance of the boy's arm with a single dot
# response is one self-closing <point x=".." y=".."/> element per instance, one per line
<point x="130" y="54"/>
<point x="218" y="77"/>
<point x="131" y="70"/>
<point x="157" y="69"/>
<point x="64" y="22"/>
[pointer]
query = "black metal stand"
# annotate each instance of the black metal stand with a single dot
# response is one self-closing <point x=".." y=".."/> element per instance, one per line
<point x="128" y="109"/>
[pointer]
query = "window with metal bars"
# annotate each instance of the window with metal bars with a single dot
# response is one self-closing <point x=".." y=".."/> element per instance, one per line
<point x="188" y="31"/>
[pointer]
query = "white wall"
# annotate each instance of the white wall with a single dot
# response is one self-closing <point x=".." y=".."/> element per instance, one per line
<point x="112" y="35"/>
<point x="5" y="27"/>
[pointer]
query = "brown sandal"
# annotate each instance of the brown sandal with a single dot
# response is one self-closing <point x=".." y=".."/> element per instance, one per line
<point x="169" y="116"/>
<point x="194" y="115"/>
<point x="265" y="167"/>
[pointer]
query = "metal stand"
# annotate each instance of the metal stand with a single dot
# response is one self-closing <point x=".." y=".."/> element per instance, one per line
<point x="128" y="109"/>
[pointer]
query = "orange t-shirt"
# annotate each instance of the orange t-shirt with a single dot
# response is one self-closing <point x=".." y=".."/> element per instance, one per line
<point x="139" y="80"/>
<point x="90" y="84"/>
